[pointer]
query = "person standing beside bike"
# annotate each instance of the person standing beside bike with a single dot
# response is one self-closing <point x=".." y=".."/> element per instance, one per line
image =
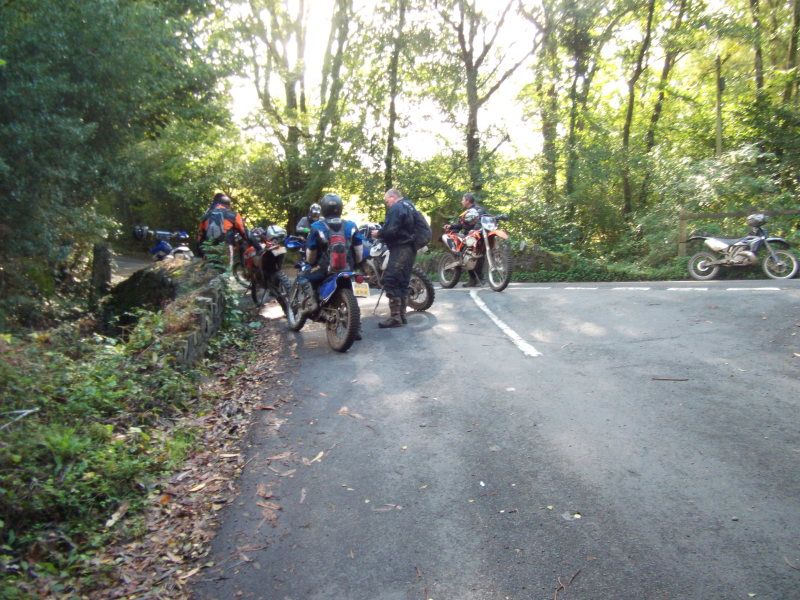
<point x="398" y="233"/>
<point x="219" y="223"/>
<point x="303" y="227"/>
<point x="470" y="221"/>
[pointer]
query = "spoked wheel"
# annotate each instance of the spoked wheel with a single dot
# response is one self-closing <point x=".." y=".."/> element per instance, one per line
<point x="420" y="290"/>
<point x="344" y="316"/>
<point x="281" y="288"/>
<point x="500" y="265"/>
<point x="449" y="275"/>
<point x="295" y="306"/>
<point x="782" y="266"/>
<point x="701" y="266"/>
<point x="258" y="293"/>
<point x="240" y="275"/>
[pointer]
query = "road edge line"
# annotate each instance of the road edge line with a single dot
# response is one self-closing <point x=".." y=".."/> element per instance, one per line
<point x="526" y="348"/>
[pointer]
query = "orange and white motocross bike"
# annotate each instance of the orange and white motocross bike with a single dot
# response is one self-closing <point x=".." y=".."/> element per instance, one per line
<point x="464" y="250"/>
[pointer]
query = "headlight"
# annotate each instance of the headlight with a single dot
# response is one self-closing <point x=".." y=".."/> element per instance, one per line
<point x="470" y="241"/>
<point x="488" y="222"/>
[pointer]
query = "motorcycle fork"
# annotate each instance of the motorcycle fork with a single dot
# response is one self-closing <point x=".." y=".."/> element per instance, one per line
<point x="486" y="252"/>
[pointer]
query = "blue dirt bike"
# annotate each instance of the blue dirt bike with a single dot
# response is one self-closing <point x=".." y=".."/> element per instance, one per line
<point x="163" y="249"/>
<point x="337" y="304"/>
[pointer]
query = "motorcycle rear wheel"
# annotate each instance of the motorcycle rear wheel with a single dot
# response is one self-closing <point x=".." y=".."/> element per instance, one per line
<point x="501" y="266"/>
<point x="784" y="268"/>
<point x="420" y="290"/>
<point x="295" y="306"/>
<point x="342" y="328"/>
<point x="699" y="267"/>
<point x="448" y="276"/>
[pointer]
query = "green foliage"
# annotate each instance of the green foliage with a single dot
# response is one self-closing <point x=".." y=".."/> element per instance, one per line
<point x="93" y="442"/>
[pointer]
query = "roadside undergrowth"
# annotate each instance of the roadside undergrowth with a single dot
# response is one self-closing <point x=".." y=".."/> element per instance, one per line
<point x="92" y="432"/>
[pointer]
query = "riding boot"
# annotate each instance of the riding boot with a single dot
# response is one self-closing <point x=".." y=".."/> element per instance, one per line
<point x="403" y="304"/>
<point x="473" y="281"/>
<point x="394" y="319"/>
<point x="310" y="305"/>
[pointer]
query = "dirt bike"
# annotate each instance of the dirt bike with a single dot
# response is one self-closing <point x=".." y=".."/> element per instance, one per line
<point x="743" y="252"/>
<point x="163" y="250"/>
<point x="421" y="292"/>
<point x="262" y="259"/>
<point x="464" y="251"/>
<point x="337" y="305"/>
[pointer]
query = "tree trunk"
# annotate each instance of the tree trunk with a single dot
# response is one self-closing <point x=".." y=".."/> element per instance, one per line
<point x="758" y="59"/>
<point x="669" y="61"/>
<point x="548" y="97"/>
<point x="720" y="89"/>
<point x="791" y="62"/>
<point x="626" y="130"/>
<point x="393" y="88"/>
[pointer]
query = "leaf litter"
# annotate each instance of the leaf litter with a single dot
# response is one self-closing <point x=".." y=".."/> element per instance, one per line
<point x="182" y="513"/>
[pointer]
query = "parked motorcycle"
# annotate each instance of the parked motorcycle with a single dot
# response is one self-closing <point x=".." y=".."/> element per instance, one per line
<point x="262" y="259"/>
<point x="464" y="250"/>
<point x="337" y="304"/>
<point x="163" y="250"/>
<point x="421" y="292"/>
<point x="743" y="252"/>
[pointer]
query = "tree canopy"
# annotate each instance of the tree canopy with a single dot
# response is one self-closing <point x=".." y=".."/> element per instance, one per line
<point x="116" y="112"/>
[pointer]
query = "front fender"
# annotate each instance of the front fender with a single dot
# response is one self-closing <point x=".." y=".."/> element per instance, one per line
<point x="499" y="233"/>
<point x="778" y="242"/>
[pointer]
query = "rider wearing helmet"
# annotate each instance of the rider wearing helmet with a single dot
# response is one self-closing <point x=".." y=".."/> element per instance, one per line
<point x="318" y="252"/>
<point x="304" y="225"/>
<point x="470" y="220"/>
<point x="220" y="222"/>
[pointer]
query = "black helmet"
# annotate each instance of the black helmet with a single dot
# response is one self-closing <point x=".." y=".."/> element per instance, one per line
<point x="221" y="198"/>
<point x="331" y="206"/>
<point x="314" y="211"/>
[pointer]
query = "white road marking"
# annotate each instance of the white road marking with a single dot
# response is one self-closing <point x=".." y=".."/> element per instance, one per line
<point x="524" y="346"/>
<point x="581" y="288"/>
<point x="759" y="289"/>
<point x="632" y="289"/>
<point x="687" y="289"/>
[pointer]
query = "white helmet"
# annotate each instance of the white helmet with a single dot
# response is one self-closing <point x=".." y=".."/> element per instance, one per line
<point x="274" y="232"/>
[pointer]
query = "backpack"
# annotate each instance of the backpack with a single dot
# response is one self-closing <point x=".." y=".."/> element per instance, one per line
<point x="215" y="230"/>
<point x="422" y="231"/>
<point x="337" y="247"/>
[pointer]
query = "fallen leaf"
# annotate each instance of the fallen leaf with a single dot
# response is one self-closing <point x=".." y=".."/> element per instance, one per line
<point x="198" y="487"/>
<point x="387" y="508"/>
<point x="281" y="456"/>
<point x="286" y="474"/>
<point x="317" y="458"/>
<point x="269" y="505"/>
<point x="118" y="514"/>
<point x="266" y="407"/>
<point x="173" y="557"/>
<point x="164" y="499"/>
<point x="190" y="573"/>
<point x="302" y="495"/>
<point x="262" y="491"/>
<point x="233" y="455"/>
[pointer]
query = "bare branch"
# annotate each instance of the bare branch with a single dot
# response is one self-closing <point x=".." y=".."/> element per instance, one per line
<point x="487" y="47"/>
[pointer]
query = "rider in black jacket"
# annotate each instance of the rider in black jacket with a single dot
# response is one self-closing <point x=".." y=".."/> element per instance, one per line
<point x="398" y="233"/>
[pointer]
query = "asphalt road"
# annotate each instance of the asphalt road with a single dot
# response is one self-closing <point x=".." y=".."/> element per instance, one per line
<point x="635" y="441"/>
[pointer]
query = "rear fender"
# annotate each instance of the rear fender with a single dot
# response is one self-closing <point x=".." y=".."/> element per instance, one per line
<point x="333" y="282"/>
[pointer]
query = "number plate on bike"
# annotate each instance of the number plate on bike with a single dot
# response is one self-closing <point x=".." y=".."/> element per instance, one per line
<point x="361" y="290"/>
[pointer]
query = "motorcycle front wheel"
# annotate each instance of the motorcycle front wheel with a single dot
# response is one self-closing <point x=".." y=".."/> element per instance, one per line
<point x="500" y="265"/>
<point x="785" y="267"/>
<point x="280" y="287"/>
<point x="448" y="276"/>
<point x="294" y="308"/>
<point x="240" y="274"/>
<point x="420" y="290"/>
<point x="701" y="267"/>
<point x="343" y="322"/>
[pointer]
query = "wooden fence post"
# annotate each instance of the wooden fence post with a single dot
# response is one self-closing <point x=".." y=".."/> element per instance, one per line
<point x="682" y="218"/>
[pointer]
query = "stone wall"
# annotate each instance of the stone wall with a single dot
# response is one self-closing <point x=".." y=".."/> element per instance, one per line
<point x="209" y="313"/>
